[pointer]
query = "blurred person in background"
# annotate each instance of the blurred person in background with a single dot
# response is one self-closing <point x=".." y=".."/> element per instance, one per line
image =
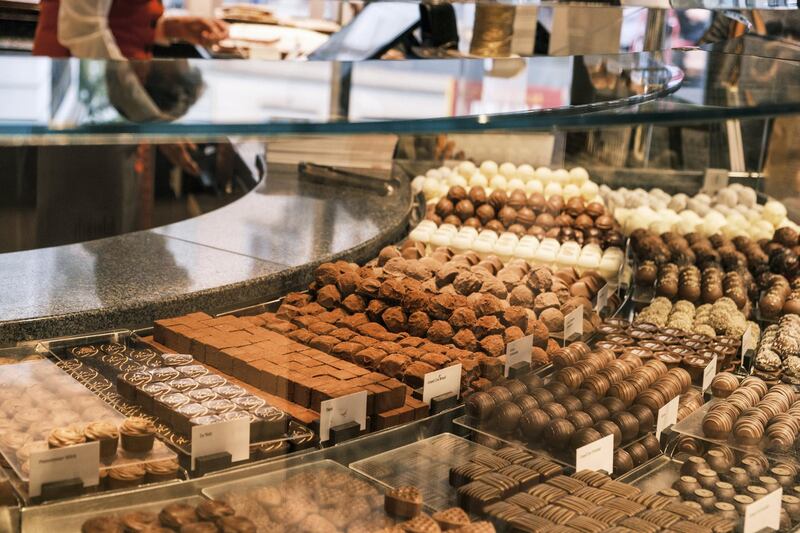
<point x="116" y="29"/>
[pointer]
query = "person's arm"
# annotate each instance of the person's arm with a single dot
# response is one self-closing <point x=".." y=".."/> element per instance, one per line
<point x="83" y="29"/>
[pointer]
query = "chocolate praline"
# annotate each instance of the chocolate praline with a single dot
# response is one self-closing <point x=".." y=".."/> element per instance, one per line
<point x="638" y="452"/>
<point x="500" y="394"/>
<point x="506" y="417"/>
<point x="557" y="389"/>
<point x="557" y="433"/>
<point x="498" y="199"/>
<point x="597" y="411"/>
<point x="607" y="427"/>
<point x="554" y="410"/>
<point x="571" y="404"/>
<point x="580" y="419"/>
<point x="532" y="424"/>
<point x="650" y="443"/>
<point x="479" y="405"/>
<point x="628" y="425"/>
<point x="584" y="436"/>
<point x="623" y="462"/>
<point x="614" y="405"/>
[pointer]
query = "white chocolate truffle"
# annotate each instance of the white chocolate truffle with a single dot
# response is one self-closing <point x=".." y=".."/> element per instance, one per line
<point x="498" y="182"/>
<point x="489" y="168"/>
<point x="444" y="188"/>
<point x="678" y="202"/>
<point x="428" y="225"/>
<point x="589" y="190"/>
<point x="579" y="175"/>
<point x="703" y="197"/>
<point x="482" y="248"/>
<point x="544" y="174"/>
<point x="515" y="184"/>
<point x="441" y="238"/>
<point x="420" y="235"/>
<point x="530" y="241"/>
<point x="504" y="250"/>
<point x="478" y="180"/>
<point x="701" y="208"/>
<point x="487" y="235"/>
<point x="430" y="188"/>
<point x="545" y="255"/>
<point x="727" y="197"/>
<point x="571" y="191"/>
<point x="561" y="176"/>
<point x="588" y="262"/>
<point x="525" y="173"/>
<point x="550" y="243"/>
<point x="774" y="212"/>
<point x="449" y="229"/>
<point x="508" y="237"/>
<point x="746" y="196"/>
<point x="467" y="168"/>
<point x="417" y="184"/>
<point x="526" y="253"/>
<point x="456" y="179"/>
<point x="445" y="171"/>
<point x="462" y="242"/>
<point x="534" y="186"/>
<point x="509" y="170"/>
<point x="722" y="208"/>
<point x="552" y="189"/>
<point x="468" y="230"/>
<point x="434" y="173"/>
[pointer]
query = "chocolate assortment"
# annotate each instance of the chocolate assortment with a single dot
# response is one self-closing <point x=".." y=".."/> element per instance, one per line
<point x="672" y="346"/>
<point x="519" y="213"/>
<point x="777" y="357"/>
<point x="535" y="495"/>
<point x="286" y="369"/>
<point x="206" y="516"/>
<point x="752" y="413"/>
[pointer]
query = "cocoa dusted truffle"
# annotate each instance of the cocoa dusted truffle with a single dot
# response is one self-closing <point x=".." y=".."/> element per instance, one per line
<point x="440" y="332"/>
<point x="329" y="297"/>
<point x="493" y="345"/>
<point x="487" y="325"/>
<point x="553" y="318"/>
<point x="488" y="305"/>
<point x="418" y="324"/>
<point x="465" y="340"/>
<point x="395" y="319"/>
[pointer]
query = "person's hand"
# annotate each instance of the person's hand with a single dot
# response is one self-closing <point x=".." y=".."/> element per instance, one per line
<point x="193" y="30"/>
<point x="180" y="155"/>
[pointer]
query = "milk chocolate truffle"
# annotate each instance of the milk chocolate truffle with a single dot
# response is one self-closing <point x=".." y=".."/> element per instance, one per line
<point x="464" y="209"/>
<point x="526" y="217"/>
<point x="507" y="216"/>
<point x="456" y="193"/>
<point x="479" y="405"/>
<point x="477" y="195"/>
<point x="580" y="419"/>
<point x="558" y="433"/>
<point x="544" y="221"/>
<point x="628" y="425"/>
<point x="532" y="423"/>
<point x="518" y="199"/>
<point x="553" y="318"/>
<point x="584" y="436"/>
<point x="485" y="213"/>
<point x="723" y="384"/>
<point x="473" y="222"/>
<point x="453" y="219"/>
<point x="555" y="204"/>
<point x="607" y="427"/>
<point x="495" y="225"/>
<point x="623" y="462"/>
<point x="444" y="208"/>
<point x="498" y="199"/>
<point x="506" y="417"/>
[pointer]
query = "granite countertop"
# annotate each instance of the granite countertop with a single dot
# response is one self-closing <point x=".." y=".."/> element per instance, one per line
<point x="252" y="250"/>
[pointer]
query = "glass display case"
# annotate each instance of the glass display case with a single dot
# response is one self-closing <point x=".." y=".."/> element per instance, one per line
<point x="457" y="293"/>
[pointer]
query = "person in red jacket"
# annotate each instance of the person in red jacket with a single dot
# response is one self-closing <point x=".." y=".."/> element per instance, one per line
<point x="116" y="29"/>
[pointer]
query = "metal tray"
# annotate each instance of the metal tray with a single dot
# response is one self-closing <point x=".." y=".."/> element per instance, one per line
<point x="425" y="464"/>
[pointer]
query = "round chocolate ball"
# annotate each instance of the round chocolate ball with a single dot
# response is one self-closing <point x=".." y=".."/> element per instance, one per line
<point x="485" y="213"/>
<point x="518" y="199"/>
<point x="557" y="433"/>
<point x="586" y="397"/>
<point x="452" y="219"/>
<point x="537" y="202"/>
<point x="650" y="443"/>
<point x="506" y="417"/>
<point x="473" y="222"/>
<point x="444" y="207"/>
<point x="557" y="389"/>
<point x="638" y="453"/>
<point x="555" y="205"/>
<point x="498" y="199"/>
<point x="542" y="395"/>
<point x="614" y="405"/>
<point x="507" y="215"/>
<point x="532" y="381"/>
<point x="517" y="229"/>
<point x="628" y="425"/>
<point x="515" y="387"/>
<point x="580" y="419"/>
<point x="584" y="436"/>
<point x="597" y="411"/>
<point x="554" y="410"/>
<point x="500" y="394"/>
<point x="465" y="209"/>
<point x="477" y="195"/>
<point x="623" y="462"/>
<point x="532" y="424"/>
<point x="607" y="427"/>
<point x="457" y="193"/>
<point x="526" y="402"/>
<point x="571" y="404"/>
<point x="495" y="225"/>
<point x="479" y="405"/>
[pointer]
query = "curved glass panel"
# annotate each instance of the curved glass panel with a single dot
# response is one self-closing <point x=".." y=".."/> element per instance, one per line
<point x="92" y="101"/>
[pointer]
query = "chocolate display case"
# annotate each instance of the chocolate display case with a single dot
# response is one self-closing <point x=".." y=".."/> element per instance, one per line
<point x="104" y="363"/>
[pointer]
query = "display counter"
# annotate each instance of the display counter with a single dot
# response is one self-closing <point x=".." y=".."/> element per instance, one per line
<point x="470" y="295"/>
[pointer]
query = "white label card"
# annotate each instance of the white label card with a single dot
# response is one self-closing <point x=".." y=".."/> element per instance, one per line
<point x="709" y="373"/>
<point x="232" y="436"/>
<point x="444" y="381"/>
<point x="350" y="408"/>
<point x="602" y="297"/>
<point x="60" y="464"/>
<point x="748" y="342"/>
<point x="667" y="416"/>
<point x="598" y="455"/>
<point x="573" y="324"/>
<point x="764" y="513"/>
<point x="714" y="180"/>
<point x="518" y="351"/>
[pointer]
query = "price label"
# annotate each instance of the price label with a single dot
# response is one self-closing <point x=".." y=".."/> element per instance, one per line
<point x="518" y="351"/>
<point x="709" y="372"/>
<point x="748" y="342"/>
<point x="598" y="455"/>
<point x="232" y="436"/>
<point x="764" y="513"/>
<point x="338" y="411"/>
<point x="602" y="297"/>
<point x="714" y="180"/>
<point x="81" y="461"/>
<point x="573" y="324"/>
<point x="444" y="381"/>
<point x="667" y="416"/>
